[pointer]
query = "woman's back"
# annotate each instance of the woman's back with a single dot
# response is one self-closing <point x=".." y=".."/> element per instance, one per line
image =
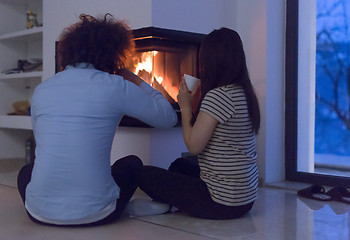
<point x="228" y="162"/>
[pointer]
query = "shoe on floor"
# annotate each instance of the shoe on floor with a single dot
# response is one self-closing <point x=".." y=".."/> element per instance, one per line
<point x="145" y="207"/>
<point x="316" y="192"/>
<point x="339" y="194"/>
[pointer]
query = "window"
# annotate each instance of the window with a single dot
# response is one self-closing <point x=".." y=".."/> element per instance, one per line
<point x="318" y="91"/>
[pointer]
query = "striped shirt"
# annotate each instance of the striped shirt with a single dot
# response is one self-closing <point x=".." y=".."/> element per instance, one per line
<point x="228" y="162"/>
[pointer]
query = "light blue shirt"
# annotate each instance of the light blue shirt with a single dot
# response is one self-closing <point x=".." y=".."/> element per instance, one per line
<point x="75" y="115"/>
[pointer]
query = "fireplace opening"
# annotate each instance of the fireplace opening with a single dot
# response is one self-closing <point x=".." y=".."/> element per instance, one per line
<point x="161" y="58"/>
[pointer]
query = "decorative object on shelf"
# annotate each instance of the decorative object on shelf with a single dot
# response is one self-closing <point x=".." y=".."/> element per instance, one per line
<point x="34" y="64"/>
<point x="21" y="108"/>
<point x="31" y="20"/>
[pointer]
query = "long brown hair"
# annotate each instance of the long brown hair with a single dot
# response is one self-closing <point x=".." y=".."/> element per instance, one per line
<point x="222" y="62"/>
<point x="105" y="43"/>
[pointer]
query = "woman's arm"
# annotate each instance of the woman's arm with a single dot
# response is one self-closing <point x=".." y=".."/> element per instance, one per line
<point x="196" y="137"/>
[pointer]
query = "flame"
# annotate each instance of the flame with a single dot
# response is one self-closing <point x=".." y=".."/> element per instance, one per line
<point x="146" y="64"/>
<point x="159" y="79"/>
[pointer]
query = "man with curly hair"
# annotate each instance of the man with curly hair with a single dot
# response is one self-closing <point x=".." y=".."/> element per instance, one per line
<point x="75" y="115"/>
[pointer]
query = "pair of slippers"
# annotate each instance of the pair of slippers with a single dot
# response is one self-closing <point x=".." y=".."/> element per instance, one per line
<point x="317" y="192"/>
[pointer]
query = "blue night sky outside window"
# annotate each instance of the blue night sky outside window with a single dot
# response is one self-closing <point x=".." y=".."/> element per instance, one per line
<point x="332" y="108"/>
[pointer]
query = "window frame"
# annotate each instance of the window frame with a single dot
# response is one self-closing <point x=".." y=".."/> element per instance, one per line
<point x="291" y="104"/>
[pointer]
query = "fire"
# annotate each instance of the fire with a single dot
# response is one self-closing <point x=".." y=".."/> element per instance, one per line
<point x="146" y="62"/>
<point x="159" y="79"/>
<point x="145" y="68"/>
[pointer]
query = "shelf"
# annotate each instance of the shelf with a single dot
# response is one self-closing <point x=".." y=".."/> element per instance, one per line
<point x="20" y="2"/>
<point x="34" y="74"/>
<point x="16" y="122"/>
<point x="18" y="43"/>
<point x="22" y="34"/>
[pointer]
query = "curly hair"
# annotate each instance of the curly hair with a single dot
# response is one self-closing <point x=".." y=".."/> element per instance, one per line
<point x="105" y="43"/>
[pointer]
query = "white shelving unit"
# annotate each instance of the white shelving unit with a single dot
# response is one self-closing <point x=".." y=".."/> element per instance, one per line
<point x="25" y="75"/>
<point x="17" y="43"/>
<point x="22" y="34"/>
<point x="16" y="122"/>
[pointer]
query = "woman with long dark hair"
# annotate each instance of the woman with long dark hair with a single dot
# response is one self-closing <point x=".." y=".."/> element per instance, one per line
<point x="223" y="183"/>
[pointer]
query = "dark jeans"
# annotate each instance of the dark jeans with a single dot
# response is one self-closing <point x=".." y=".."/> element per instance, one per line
<point x="124" y="172"/>
<point x="181" y="186"/>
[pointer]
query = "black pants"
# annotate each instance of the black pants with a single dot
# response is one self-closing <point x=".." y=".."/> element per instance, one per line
<point x="124" y="172"/>
<point x="181" y="186"/>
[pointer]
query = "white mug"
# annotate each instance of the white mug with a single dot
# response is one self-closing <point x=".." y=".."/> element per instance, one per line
<point x="191" y="82"/>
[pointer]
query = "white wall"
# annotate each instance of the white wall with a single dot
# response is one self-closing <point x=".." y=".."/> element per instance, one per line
<point x="132" y="141"/>
<point x="251" y="25"/>
<point x="261" y="26"/>
<point x="275" y="107"/>
<point x="166" y="146"/>
<point x="200" y="16"/>
<point x="159" y="145"/>
<point x="306" y="86"/>
<point x="60" y="14"/>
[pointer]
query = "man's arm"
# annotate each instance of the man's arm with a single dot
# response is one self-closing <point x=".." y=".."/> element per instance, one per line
<point x="128" y="75"/>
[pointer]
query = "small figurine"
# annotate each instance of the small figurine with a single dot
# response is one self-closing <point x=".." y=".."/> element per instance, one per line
<point x="31" y="20"/>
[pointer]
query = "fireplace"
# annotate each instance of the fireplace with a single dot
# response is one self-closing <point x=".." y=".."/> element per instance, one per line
<point x="161" y="58"/>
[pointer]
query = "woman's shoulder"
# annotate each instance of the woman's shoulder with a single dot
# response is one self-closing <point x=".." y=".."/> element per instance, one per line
<point x="227" y="90"/>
